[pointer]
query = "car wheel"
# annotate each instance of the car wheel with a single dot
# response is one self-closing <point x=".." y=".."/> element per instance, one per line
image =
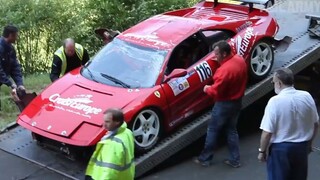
<point x="261" y="60"/>
<point x="268" y="4"/>
<point x="146" y="128"/>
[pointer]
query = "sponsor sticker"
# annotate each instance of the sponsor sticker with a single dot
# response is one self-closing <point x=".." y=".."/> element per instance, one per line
<point x="204" y="71"/>
<point x="242" y="43"/>
<point x="244" y="26"/>
<point x="179" y="85"/>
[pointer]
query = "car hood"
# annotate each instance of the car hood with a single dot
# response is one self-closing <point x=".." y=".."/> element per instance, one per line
<point x="64" y="107"/>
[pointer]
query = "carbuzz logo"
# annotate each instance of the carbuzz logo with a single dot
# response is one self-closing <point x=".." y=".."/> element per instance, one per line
<point x="242" y="43"/>
<point x="78" y="102"/>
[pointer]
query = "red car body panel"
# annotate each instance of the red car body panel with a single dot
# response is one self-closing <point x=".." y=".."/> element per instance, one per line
<point x="71" y="109"/>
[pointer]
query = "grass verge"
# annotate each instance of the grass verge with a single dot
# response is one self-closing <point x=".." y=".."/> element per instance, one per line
<point x="9" y="111"/>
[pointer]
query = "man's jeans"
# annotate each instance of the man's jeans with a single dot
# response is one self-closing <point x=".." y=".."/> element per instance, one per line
<point x="224" y="117"/>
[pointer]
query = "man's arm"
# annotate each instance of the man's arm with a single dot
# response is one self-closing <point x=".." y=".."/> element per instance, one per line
<point x="85" y="57"/>
<point x="16" y="72"/>
<point x="267" y="125"/>
<point x="315" y="132"/>
<point x="264" y="143"/>
<point x="217" y="86"/>
<point x="315" y="117"/>
<point x="55" y="68"/>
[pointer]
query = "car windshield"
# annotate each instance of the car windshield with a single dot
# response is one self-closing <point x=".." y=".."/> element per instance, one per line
<point x="126" y="65"/>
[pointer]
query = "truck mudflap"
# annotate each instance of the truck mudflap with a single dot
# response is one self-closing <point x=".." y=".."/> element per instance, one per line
<point x="282" y="45"/>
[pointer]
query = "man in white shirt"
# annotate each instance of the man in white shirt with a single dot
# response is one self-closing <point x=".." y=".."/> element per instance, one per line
<point x="289" y="126"/>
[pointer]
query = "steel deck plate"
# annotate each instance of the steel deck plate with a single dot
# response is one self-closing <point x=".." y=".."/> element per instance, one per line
<point x="302" y="52"/>
<point x="18" y="141"/>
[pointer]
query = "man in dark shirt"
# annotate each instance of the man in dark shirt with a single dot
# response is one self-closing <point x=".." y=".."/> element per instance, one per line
<point x="67" y="58"/>
<point x="9" y="65"/>
<point x="227" y="91"/>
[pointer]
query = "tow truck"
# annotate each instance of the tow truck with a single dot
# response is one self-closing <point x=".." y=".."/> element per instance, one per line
<point x="302" y="52"/>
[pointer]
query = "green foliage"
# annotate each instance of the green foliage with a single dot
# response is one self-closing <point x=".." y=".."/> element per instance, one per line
<point x="44" y="24"/>
<point x="9" y="111"/>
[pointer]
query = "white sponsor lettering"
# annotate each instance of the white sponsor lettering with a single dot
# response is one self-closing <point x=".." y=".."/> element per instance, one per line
<point x="242" y="44"/>
<point x="152" y="38"/>
<point x="243" y="26"/>
<point x="78" y="103"/>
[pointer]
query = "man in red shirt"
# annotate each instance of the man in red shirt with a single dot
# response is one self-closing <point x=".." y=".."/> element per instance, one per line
<point x="230" y="81"/>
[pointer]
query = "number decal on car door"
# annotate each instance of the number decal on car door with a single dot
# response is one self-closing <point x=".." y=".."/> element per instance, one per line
<point x="204" y="71"/>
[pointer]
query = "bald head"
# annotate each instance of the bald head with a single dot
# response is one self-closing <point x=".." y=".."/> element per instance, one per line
<point x="69" y="47"/>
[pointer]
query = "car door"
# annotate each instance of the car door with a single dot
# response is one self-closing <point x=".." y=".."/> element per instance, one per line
<point x="185" y="94"/>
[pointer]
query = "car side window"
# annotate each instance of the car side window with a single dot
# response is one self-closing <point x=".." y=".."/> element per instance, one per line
<point x="213" y="36"/>
<point x="187" y="53"/>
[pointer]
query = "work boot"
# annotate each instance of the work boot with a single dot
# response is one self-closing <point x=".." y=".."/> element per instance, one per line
<point x="231" y="163"/>
<point x="202" y="163"/>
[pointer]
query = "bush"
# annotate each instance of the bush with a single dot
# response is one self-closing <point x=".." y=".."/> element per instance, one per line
<point x="44" y="24"/>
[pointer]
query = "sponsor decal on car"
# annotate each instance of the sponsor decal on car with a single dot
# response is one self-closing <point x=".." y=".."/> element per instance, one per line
<point x="204" y="71"/>
<point x="244" y="26"/>
<point x="78" y="104"/>
<point x="186" y="115"/>
<point x="179" y="85"/>
<point x="242" y="43"/>
<point x="153" y="38"/>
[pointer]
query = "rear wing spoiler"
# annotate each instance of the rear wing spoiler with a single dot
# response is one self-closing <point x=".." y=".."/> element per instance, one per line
<point x="244" y="2"/>
<point x="254" y="1"/>
<point x="314" y="25"/>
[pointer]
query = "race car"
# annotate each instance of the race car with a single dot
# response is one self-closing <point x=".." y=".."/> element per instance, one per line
<point x="155" y="72"/>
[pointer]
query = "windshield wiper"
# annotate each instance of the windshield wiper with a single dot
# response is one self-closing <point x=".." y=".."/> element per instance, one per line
<point x="115" y="80"/>
<point x="91" y="75"/>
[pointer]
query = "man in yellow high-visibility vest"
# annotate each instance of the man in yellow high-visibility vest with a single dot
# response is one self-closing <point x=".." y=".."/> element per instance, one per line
<point x="67" y="58"/>
<point x="113" y="157"/>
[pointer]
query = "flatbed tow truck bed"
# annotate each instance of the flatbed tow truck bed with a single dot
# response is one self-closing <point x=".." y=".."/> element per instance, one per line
<point x="302" y="52"/>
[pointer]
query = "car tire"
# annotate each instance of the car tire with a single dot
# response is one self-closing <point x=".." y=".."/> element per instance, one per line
<point x="261" y="60"/>
<point x="146" y="128"/>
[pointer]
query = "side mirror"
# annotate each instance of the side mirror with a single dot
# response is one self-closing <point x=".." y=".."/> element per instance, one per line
<point x="176" y="73"/>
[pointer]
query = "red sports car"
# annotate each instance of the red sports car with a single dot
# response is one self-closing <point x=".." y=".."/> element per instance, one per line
<point x="155" y="71"/>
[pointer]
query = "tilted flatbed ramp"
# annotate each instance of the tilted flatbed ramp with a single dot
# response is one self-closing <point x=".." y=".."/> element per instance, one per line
<point x="302" y="52"/>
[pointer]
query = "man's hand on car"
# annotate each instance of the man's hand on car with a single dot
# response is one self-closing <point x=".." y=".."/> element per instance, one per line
<point x="14" y="94"/>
